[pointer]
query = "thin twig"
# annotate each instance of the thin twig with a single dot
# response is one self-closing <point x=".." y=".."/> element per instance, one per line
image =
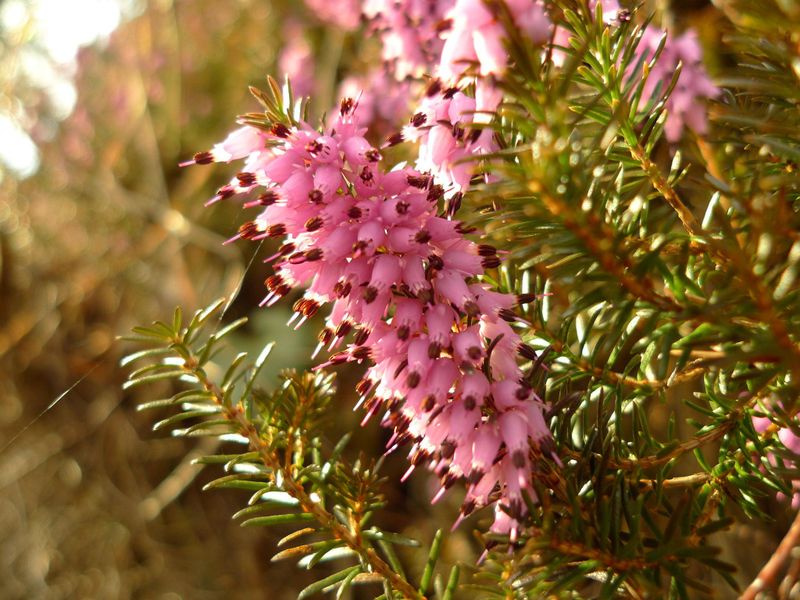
<point x="770" y="571"/>
<point x="692" y="372"/>
<point x="762" y="297"/>
<point x="237" y="416"/>
<point x="596" y="242"/>
<point x="683" y="481"/>
<point x="177" y="481"/>
<point x="647" y="462"/>
<point x="665" y="189"/>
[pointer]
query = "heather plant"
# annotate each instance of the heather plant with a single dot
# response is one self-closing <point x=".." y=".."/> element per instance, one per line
<point x="567" y="280"/>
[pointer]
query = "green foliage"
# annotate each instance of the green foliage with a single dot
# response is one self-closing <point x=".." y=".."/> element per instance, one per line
<point x="667" y="321"/>
<point x="296" y="478"/>
<point x="279" y="107"/>
<point x="668" y="282"/>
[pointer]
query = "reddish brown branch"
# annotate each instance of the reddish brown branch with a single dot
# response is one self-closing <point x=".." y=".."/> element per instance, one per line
<point x="766" y="578"/>
<point x="236" y="415"/>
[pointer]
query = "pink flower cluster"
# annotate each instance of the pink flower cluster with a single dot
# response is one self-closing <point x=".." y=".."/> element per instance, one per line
<point x="685" y="106"/>
<point x="345" y="14"/>
<point x="446" y="37"/>
<point x="444" y="122"/>
<point x="410" y="32"/>
<point x="444" y="126"/>
<point x="296" y="61"/>
<point x="791" y="441"/>
<point x="477" y="35"/>
<point x="400" y="275"/>
<point x="382" y="101"/>
<point x="402" y="282"/>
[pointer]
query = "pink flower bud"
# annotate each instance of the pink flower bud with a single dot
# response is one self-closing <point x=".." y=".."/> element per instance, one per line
<point x="451" y="285"/>
<point x="484" y="448"/>
<point x="385" y="272"/>
<point x="468" y="346"/>
<point x="473" y="389"/>
<point x="239" y="144"/>
<point x="440" y="320"/>
<point x="414" y="274"/>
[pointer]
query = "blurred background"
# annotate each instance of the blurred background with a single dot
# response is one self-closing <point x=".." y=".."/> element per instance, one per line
<point x="99" y="231"/>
